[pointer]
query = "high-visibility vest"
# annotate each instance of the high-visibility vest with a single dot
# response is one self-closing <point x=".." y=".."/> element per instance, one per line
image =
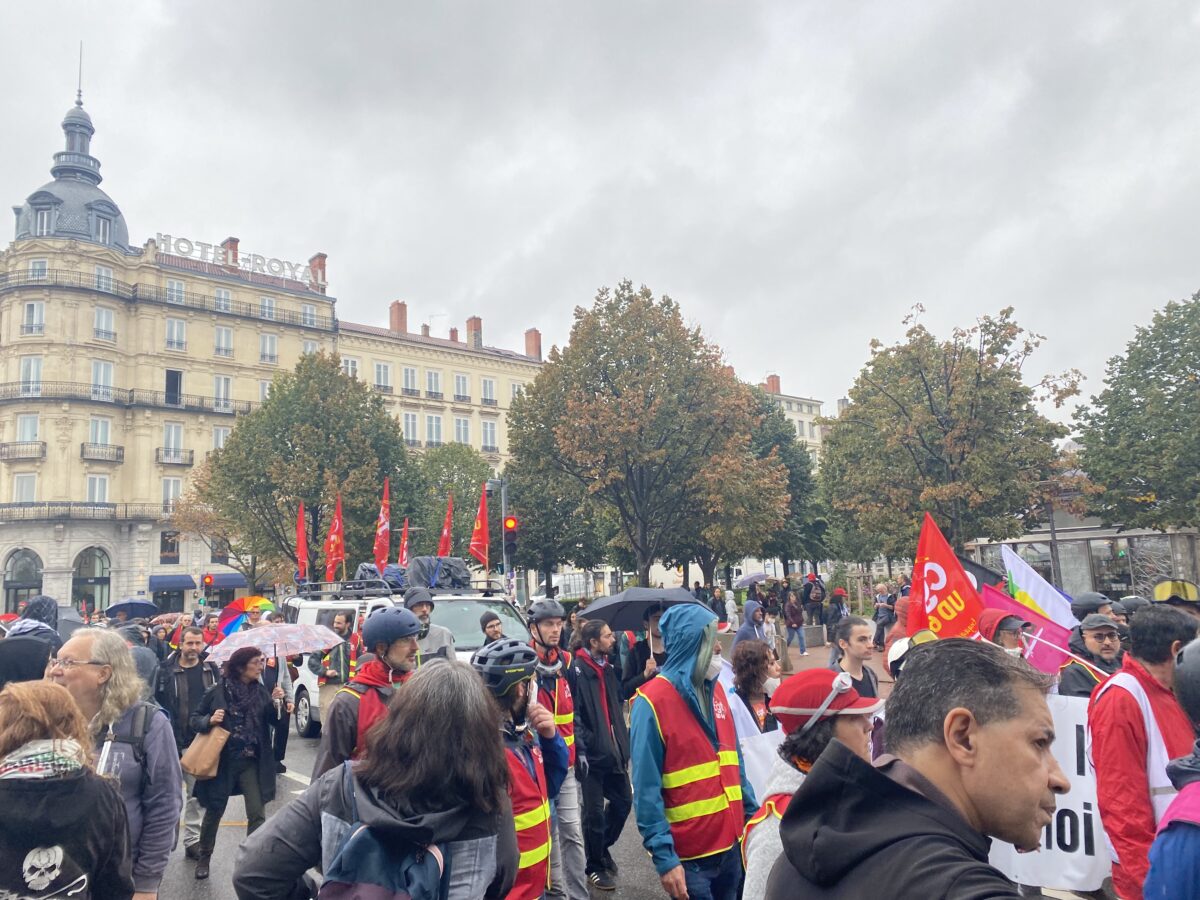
<point x="775" y="805"/>
<point x="531" y="815"/>
<point x="355" y="642"/>
<point x="562" y="704"/>
<point x="1162" y="792"/>
<point x="701" y="784"/>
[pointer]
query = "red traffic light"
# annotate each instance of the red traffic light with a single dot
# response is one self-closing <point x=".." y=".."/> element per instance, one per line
<point x="510" y="523"/>
<point x="206" y="581"/>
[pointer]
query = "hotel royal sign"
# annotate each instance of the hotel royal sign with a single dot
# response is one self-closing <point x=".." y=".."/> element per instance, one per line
<point x="247" y="262"/>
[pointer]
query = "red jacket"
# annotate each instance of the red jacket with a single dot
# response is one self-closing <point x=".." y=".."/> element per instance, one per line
<point x="1119" y="755"/>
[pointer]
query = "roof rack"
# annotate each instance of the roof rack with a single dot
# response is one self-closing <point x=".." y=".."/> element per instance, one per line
<point x="368" y="587"/>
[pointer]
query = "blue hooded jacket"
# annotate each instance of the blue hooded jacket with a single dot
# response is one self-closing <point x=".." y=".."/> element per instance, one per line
<point x="682" y="629"/>
<point x="750" y="630"/>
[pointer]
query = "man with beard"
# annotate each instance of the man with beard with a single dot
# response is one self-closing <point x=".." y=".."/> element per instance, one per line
<point x="433" y="640"/>
<point x="1096" y="640"/>
<point x="389" y="633"/>
<point x="339" y="664"/>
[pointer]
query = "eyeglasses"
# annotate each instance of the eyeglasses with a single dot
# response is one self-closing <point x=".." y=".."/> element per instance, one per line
<point x="68" y="664"/>
<point x="1107" y="636"/>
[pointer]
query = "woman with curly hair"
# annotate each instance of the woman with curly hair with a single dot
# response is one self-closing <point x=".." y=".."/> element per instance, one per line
<point x="755" y="678"/>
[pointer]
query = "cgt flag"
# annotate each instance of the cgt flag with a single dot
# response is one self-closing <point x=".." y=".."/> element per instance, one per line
<point x="444" y="543"/>
<point x="301" y="544"/>
<point x="479" y="537"/>
<point x="383" y="531"/>
<point x="402" y="558"/>
<point x="335" y="543"/>
<point x="943" y="598"/>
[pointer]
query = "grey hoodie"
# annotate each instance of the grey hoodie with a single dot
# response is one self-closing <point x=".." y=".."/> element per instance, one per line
<point x="763" y="846"/>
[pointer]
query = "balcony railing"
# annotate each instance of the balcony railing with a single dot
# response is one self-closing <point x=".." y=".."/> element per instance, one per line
<point x="433" y="443"/>
<point x="462" y="398"/>
<point x="173" y="456"/>
<point x="101" y="335"/>
<point x="227" y="352"/>
<point x="176" y="345"/>
<point x="489" y="401"/>
<point x="490" y="448"/>
<point x="102" y="452"/>
<point x="168" y="558"/>
<point x="268" y="358"/>
<point x="412" y="442"/>
<point x="383" y="388"/>
<point x="434" y="395"/>
<point x="98" y="393"/>
<point x="411" y="392"/>
<point x="23" y="450"/>
<point x="28" y="328"/>
<point x="64" y="278"/>
<point x="13" y="512"/>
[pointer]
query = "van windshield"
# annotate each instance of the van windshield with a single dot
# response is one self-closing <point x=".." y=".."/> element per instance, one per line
<point x="461" y="616"/>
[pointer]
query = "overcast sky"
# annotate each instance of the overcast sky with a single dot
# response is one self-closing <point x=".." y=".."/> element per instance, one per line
<point x="796" y="175"/>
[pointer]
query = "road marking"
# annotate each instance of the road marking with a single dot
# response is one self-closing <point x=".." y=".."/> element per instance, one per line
<point x="302" y="779"/>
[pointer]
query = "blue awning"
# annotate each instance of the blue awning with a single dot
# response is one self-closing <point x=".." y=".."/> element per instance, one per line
<point x="171" y="583"/>
<point x="223" y="581"/>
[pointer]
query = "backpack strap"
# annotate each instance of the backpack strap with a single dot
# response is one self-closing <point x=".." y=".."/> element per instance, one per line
<point x="348" y="785"/>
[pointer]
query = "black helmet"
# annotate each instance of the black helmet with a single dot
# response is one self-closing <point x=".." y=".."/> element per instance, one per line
<point x="505" y="663"/>
<point x="546" y="609"/>
<point x="1187" y="680"/>
<point x="1083" y="605"/>
<point x="388" y="624"/>
<point x="1133" y="603"/>
<point x="415" y="595"/>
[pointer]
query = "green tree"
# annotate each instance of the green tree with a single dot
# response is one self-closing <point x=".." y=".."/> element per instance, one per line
<point x="459" y="470"/>
<point x="320" y="433"/>
<point x="1141" y="436"/>
<point x="949" y="427"/>
<point x="634" y="409"/>
<point x="800" y="534"/>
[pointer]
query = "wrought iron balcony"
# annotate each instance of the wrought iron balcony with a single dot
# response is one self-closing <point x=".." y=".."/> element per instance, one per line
<point x="268" y="358"/>
<point x="227" y="352"/>
<point x="176" y="345"/>
<point x="462" y="398"/>
<point x="102" y="452"/>
<point x="173" y="456"/>
<point x="490" y="448"/>
<point x="101" y="335"/>
<point x="411" y="392"/>
<point x="433" y="443"/>
<point x="383" y="388"/>
<point x="29" y="328"/>
<point x="73" y="509"/>
<point x="412" y="442"/>
<point x="16" y="391"/>
<point x="489" y="401"/>
<point x="433" y="395"/>
<point x="23" y="450"/>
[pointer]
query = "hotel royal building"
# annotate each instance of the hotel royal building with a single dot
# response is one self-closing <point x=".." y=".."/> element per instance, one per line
<point x="122" y="367"/>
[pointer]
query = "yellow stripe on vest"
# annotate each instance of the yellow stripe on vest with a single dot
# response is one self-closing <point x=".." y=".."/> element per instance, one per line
<point x="569" y="740"/>
<point x="698" y="772"/>
<point x="734" y="793"/>
<point x="727" y="757"/>
<point x="697" y="808"/>
<point x="534" y="856"/>
<point x="564" y="719"/>
<point x="534" y="817"/>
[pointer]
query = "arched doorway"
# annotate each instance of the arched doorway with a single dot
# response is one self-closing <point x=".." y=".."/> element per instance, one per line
<point x="22" y="578"/>
<point x="89" y="588"/>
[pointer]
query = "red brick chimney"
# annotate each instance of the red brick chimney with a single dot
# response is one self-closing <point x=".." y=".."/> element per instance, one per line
<point x="454" y="335"/>
<point x="533" y="344"/>
<point x="425" y="330"/>
<point x="230" y="246"/>
<point x="475" y="332"/>
<point x="316" y="264"/>
<point x="398" y="317"/>
<point x="773" y="385"/>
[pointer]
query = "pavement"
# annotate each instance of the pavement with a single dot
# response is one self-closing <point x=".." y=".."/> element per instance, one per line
<point x="637" y="879"/>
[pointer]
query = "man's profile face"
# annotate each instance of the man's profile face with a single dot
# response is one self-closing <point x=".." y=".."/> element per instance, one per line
<point x="494" y="629"/>
<point x="1014" y="777"/>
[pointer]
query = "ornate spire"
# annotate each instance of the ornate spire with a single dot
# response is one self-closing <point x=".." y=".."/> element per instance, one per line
<point x="76" y="162"/>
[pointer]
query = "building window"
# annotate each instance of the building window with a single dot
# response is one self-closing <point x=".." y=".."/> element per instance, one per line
<point x="34" y="320"/>
<point x="175" y="291"/>
<point x="27" y="427"/>
<point x="812" y="429"/>
<point x="43" y="223"/>
<point x="410" y="428"/>
<point x="97" y="488"/>
<point x="31" y="376"/>
<point x="172" y="489"/>
<point x="487" y="387"/>
<point x="800" y="429"/>
<point x="39" y="269"/>
<point x="517" y="389"/>
<point x="223" y="341"/>
<point x="264" y="391"/>
<point x="489" y="437"/>
<point x="168" y="546"/>
<point x="173" y="435"/>
<point x="103" y="327"/>
<point x="311" y="347"/>
<point x="433" y="431"/>
<point x="219" y="552"/>
<point x="104" y="279"/>
<point x="308" y="315"/>
<point x="102" y="380"/>
<point x="24" y="488"/>
<point x="220" y="436"/>
<point x="383" y="376"/>
<point x="98" y="431"/>
<point x="266" y="307"/>
<point x="103" y="230"/>
<point x="462" y="387"/>
<point x="350" y="366"/>
<point x="222" y="393"/>
<point x="176" y="334"/>
<point x="462" y="430"/>
<point x="268" y="349"/>
<point x="410" y="383"/>
<point x="222" y="300"/>
<point x="433" y="384"/>
<point x="173" y="387"/>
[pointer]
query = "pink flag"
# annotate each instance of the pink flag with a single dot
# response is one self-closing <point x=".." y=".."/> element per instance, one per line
<point x="1048" y="651"/>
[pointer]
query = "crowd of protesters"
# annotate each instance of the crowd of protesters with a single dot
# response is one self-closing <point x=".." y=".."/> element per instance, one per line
<point x="514" y="776"/>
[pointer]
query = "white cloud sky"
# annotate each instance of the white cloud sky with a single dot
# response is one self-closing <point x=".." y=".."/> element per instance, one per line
<point x="797" y="175"/>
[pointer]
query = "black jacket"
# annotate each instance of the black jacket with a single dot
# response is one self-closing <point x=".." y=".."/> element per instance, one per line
<point x="172" y="695"/>
<point x="634" y="675"/>
<point x="851" y="831"/>
<point x="213" y="793"/>
<point x="605" y="749"/>
<point x="1074" y="678"/>
<point x="84" y="817"/>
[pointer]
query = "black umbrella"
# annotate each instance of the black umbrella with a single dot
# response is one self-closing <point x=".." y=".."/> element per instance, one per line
<point x="626" y="611"/>
<point x="68" y="622"/>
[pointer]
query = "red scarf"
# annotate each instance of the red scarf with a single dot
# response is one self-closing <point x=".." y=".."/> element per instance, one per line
<point x="598" y="668"/>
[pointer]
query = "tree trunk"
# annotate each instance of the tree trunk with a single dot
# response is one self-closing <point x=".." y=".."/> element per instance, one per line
<point x="687" y="574"/>
<point x="548" y="574"/>
<point x="783" y="558"/>
<point x="644" y="572"/>
<point x="729" y="575"/>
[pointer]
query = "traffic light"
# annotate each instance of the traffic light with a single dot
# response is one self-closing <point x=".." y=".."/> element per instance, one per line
<point x="511" y="529"/>
<point x="206" y="583"/>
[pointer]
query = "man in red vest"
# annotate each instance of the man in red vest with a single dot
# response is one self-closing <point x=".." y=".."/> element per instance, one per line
<point x="536" y="769"/>
<point x="691" y="795"/>
<point x="391" y="634"/>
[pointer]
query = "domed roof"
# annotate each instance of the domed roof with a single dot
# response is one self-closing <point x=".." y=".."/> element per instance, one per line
<point x="78" y="114"/>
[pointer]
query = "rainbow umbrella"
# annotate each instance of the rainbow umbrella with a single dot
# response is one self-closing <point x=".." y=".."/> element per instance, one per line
<point x="234" y="615"/>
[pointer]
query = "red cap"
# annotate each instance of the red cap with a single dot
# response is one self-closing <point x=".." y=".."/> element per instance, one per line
<point x="839" y="592"/>
<point x="812" y="576"/>
<point x="800" y="696"/>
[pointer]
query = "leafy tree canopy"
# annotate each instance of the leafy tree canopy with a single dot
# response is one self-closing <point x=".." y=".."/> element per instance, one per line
<point x="459" y="470"/>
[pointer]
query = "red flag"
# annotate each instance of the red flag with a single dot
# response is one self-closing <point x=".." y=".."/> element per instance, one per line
<point x="383" y="531"/>
<point x="335" y="545"/>
<point x="479" y="537"/>
<point x="943" y="598"/>
<point x="301" y="544"/>
<point x="402" y="559"/>
<point x="444" y="543"/>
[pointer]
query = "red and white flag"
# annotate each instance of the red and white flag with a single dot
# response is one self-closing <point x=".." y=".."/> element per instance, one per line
<point x="444" y="543"/>
<point x="301" y="544"/>
<point x="479" y="536"/>
<point x="383" y="531"/>
<point x="943" y="598"/>
<point x="402" y="558"/>
<point x="335" y="543"/>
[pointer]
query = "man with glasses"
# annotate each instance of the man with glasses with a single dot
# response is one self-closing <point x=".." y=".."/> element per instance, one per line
<point x="1098" y="645"/>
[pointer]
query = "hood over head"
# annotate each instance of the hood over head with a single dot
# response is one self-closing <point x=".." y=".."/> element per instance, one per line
<point x="684" y="629"/>
<point x="397" y="824"/>
<point x="23" y="658"/>
<point x="989" y="619"/>
<point x="42" y="609"/>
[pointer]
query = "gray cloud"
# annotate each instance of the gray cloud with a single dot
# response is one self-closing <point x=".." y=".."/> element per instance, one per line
<point x="796" y="175"/>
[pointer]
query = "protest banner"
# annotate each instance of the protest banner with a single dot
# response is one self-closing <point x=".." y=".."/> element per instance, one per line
<point x="1073" y="854"/>
<point x="1034" y="591"/>
<point x="943" y="598"/>
<point x="1047" y="648"/>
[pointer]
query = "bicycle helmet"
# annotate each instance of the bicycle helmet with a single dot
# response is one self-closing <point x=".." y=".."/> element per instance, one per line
<point x="546" y="609"/>
<point x="1133" y="603"/>
<point x="388" y="624"/>
<point x="1083" y="605"/>
<point x="1187" y="680"/>
<point x="504" y="663"/>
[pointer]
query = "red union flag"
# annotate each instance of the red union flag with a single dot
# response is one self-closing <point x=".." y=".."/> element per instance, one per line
<point x="301" y="544"/>
<point x="444" y="543"/>
<point x="402" y="558"/>
<point x="943" y="598"/>
<point x="479" y="537"/>
<point x="383" y="531"/>
<point x="335" y="546"/>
